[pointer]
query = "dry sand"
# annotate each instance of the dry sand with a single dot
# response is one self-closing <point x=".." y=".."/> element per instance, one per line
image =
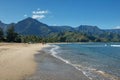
<point x="17" y="60"/>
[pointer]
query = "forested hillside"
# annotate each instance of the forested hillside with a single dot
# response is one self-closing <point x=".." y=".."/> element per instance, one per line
<point x="31" y="30"/>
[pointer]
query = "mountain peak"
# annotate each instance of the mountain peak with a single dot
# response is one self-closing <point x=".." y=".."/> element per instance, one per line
<point x="89" y="29"/>
<point x="30" y="26"/>
<point x="32" y="21"/>
<point x="29" y="19"/>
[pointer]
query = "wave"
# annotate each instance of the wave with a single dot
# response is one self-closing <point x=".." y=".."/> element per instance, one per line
<point x="91" y="73"/>
<point x="115" y="45"/>
<point x="54" y="53"/>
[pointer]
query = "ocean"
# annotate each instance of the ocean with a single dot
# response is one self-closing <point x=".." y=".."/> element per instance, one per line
<point x="97" y="61"/>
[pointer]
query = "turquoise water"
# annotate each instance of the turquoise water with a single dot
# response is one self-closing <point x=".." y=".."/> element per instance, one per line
<point x="98" y="61"/>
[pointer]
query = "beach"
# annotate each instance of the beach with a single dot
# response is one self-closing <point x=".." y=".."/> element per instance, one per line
<point x="76" y="62"/>
<point x="23" y="61"/>
<point x="17" y="60"/>
<point x="51" y="68"/>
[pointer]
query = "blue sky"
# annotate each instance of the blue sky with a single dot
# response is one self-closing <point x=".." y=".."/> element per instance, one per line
<point x="102" y="13"/>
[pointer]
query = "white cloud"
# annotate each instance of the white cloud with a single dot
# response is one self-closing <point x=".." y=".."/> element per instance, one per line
<point x="34" y="12"/>
<point x="25" y="15"/>
<point x="117" y="27"/>
<point x="38" y="16"/>
<point x="40" y="12"/>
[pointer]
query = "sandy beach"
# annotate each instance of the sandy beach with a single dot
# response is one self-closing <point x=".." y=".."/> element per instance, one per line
<point x="17" y="60"/>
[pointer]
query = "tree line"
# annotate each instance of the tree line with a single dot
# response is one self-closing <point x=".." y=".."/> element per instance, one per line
<point x="11" y="36"/>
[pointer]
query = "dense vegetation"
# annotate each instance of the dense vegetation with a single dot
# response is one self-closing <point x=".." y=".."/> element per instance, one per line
<point x="82" y="37"/>
<point x="68" y="36"/>
<point x="31" y="30"/>
<point x="1" y="34"/>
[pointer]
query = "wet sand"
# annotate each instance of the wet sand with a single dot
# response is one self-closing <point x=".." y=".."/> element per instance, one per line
<point x="51" y="68"/>
<point x="17" y="60"/>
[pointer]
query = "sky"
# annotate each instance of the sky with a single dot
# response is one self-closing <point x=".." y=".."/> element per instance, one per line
<point x="102" y="13"/>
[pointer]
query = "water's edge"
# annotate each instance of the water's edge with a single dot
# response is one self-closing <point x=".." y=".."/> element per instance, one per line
<point x="88" y="72"/>
<point x="50" y="67"/>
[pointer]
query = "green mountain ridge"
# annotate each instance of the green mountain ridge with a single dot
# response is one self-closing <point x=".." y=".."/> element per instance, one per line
<point x="30" y="26"/>
<point x="31" y="30"/>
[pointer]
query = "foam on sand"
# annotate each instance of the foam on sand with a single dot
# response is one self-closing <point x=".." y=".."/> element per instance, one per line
<point x="89" y="72"/>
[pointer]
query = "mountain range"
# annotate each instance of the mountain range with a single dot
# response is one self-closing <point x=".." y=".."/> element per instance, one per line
<point x="30" y="26"/>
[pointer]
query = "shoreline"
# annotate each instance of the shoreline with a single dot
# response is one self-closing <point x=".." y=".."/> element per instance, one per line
<point x="17" y="60"/>
<point x="51" y="68"/>
<point x="22" y="61"/>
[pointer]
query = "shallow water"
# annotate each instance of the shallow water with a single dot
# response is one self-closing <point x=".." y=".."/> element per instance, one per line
<point x="51" y="68"/>
<point x="98" y="61"/>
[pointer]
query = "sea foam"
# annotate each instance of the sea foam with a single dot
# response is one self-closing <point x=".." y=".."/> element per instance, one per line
<point x="91" y="73"/>
<point x="54" y="53"/>
<point x="115" y="45"/>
